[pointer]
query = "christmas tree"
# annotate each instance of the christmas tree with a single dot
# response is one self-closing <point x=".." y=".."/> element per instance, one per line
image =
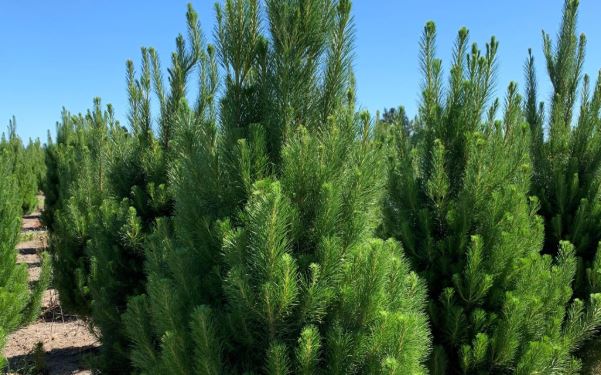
<point x="568" y="160"/>
<point x="76" y="185"/>
<point x="17" y="304"/>
<point x="269" y="263"/>
<point x="26" y="164"/>
<point x="458" y="201"/>
<point x="13" y="277"/>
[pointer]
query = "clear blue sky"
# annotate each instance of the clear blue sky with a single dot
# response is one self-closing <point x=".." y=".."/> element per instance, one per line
<point x="64" y="53"/>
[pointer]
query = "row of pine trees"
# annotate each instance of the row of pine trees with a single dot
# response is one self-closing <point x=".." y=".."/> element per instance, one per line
<point x="268" y="226"/>
<point x="22" y="170"/>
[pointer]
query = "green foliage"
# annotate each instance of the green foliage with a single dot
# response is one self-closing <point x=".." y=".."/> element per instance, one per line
<point x="397" y="117"/>
<point x="17" y="305"/>
<point x="116" y="259"/>
<point x="138" y="178"/>
<point x="269" y="264"/>
<point x="13" y="277"/>
<point x="302" y="287"/>
<point x="76" y="184"/>
<point x="87" y="218"/>
<point x="457" y="200"/>
<point x="60" y="160"/>
<point x="91" y="247"/>
<point x="34" y="306"/>
<point x="27" y="165"/>
<point x="238" y="236"/>
<point x="107" y="186"/>
<point x="567" y="162"/>
<point x="36" y="152"/>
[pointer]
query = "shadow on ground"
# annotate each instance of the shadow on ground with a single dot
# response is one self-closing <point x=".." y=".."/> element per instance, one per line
<point x="64" y="361"/>
<point x="591" y="357"/>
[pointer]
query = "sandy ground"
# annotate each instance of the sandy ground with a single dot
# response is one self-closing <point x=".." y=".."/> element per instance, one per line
<point x="62" y="341"/>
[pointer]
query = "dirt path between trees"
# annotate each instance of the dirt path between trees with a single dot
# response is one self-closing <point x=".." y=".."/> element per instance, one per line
<point x="56" y="344"/>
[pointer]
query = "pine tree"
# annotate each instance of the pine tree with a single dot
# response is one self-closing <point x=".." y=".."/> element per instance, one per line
<point x="63" y="158"/>
<point x="137" y="181"/>
<point x="67" y="234"/>
<point x="13" y="277"/>
<point x="397" y="117"/>
<point x="17" y="304"/>
<point x="25" y="165"/>
<point x="269" y="264"/>
<point x="302" y="289"/>
<point x="76" y="185"/>
<point x="54" y="183"/>
<point x="94" y="267"/>
<point x="36" y="153"/>
<point x="106" y="186"/>
<point x="567" y="161"/>
<point x="457" y="201"/>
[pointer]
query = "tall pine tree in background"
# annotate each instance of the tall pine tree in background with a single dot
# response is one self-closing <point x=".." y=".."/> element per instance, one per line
<point x="567" y="161"/>
<point x="76" y="185"/>
<point x="60" y="160"/>
<point x="36" y="152"/>
<point x="269" y="264"/>
<point x="106" y="186"/>
<point x="138" y="177"/>
<point x="396" y="117"/>
<point x="26" y="164"/>
<point x="457" y="201"/>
